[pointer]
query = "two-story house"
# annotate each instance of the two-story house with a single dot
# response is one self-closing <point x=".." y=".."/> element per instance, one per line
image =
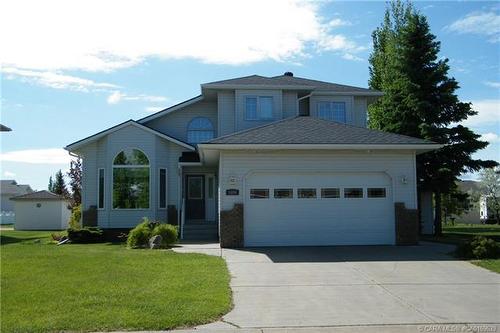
<point x="261" y="161"/>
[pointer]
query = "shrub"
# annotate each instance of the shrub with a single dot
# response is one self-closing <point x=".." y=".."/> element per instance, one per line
<point x="167" y="232"/>
<point x="76" y="215"/>
<point x="140" y="235"/>
<point x="479" y="248"/>
<point x="86" y="235"/>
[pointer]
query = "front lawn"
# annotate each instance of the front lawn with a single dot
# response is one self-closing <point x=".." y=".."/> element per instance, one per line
<point x="101" y="287"/>
<point x="460" y="233"/>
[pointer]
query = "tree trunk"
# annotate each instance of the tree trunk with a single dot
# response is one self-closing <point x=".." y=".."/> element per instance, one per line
<point x="438" y="230"/>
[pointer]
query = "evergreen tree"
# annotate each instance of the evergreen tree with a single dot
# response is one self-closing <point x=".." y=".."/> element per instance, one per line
<point x="59" y="186"/>
<point x="75" y="183"/>
<point x="51" y="185"/>
<point x="420" y="100"/>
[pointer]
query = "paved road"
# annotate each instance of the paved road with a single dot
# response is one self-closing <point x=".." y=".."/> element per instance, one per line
<point x="352" y="286"/>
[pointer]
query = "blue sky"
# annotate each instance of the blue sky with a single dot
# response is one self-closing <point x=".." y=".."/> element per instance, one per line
<point x="79" y="67"/>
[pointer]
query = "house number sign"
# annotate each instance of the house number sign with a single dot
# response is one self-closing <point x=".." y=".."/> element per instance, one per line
<point x="232" y="191"/>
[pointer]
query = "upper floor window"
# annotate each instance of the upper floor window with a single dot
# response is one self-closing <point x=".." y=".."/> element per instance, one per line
<point x="131" y="180"/>
<point x="335" y="111"/>
<point x="200" y="129"/>
<point x="259" y="107"/>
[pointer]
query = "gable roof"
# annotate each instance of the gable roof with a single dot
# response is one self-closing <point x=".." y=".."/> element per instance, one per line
<point x="305" y="130"/>
<point x="288" y="82"/>
<point x="11" y="187"/>
<point x="39" y="195"/>
<point x="75" y="145"/>
<point x="172" y="108"/>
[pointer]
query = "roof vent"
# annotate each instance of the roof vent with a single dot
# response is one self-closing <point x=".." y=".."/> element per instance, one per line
<point x="288" y="74"/>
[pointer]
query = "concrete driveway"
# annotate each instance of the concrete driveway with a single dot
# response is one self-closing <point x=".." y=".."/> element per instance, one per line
<point x="362" y="285"/>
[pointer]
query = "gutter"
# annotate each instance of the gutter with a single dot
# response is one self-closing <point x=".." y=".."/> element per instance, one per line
<point x="426" y="147"/>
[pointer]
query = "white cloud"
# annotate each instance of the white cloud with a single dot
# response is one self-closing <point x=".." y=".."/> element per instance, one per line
<point x="488" y="113"/>
<point x="490" y="137"/>
<point x="349" y="56"/>
<point x="37" y="156"/>
<point x="339" y="43"/>
<point x="481" y="23"/>
<point x="492" y="84"/>
<point x="337" y="22"/>
<point x="63" y="35"/>
<point x="117" y="96"/>
<point x="9" y="174"/>
<point x="55" y="80"/>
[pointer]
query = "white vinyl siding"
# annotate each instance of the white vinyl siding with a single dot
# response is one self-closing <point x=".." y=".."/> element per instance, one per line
<point x="41" y="214"/>
<point x="319" y="170"/>
<point x="226" y="112"/>
<point x="161" y="154"/>
<point x="360" y="111"/>
<point x="176" y="123"/>
<point x="290" y="104"/>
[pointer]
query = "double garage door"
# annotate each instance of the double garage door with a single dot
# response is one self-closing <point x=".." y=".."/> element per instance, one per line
<point x="287" y="209"/>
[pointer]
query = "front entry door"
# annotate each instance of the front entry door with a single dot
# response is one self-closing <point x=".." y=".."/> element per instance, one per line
<point x="195" y="197"/>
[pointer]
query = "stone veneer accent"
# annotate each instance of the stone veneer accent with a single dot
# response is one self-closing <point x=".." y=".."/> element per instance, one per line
<point x="231" y="227"/>
<point x="407" y="225"/>
<point x="89" y="217"/>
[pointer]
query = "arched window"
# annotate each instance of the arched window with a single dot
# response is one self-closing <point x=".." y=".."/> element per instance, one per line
<point x="131" y="180"/>
<point x="200" y="130"/>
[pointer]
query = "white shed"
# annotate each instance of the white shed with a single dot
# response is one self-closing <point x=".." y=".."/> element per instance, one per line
<point x="42" y="210"/>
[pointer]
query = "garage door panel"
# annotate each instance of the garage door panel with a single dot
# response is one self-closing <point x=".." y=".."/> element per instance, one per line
<point x="318" y="221"/>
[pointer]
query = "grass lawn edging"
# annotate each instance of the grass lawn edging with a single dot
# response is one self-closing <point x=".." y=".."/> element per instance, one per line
<point x="459" y="234"/>
<point x="104" y="287"/>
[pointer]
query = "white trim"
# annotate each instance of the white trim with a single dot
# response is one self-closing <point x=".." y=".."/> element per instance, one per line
<point x="171" y="109"/>
<point x="99" y="135"/>
<point x="166" y="188"/>
<point x="181" y="164"/>
<point x="103" y="189"/>
<point x="368" y="147"/>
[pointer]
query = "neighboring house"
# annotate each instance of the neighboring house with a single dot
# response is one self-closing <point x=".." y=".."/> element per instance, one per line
<point x="261" y="161"/>
<point x="8" y="189"/>
<point x="42" y="210"/>
<point x="478" y="212"/>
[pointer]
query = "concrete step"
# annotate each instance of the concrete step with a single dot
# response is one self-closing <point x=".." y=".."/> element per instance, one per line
<point x="189" y="237"/>
<point x="200" y="227"/>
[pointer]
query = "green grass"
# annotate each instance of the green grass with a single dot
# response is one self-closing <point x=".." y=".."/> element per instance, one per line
<point x="101" y="287"/>
<point x="460" y="233"/>
<point x="491" y="264"/>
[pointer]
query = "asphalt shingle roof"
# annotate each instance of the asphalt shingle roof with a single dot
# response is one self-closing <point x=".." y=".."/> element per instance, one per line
<point x="291" y="81"/>
<point x="309" y="130"/>
<point x="10" y="186"/>
<point x="39" y="195"/>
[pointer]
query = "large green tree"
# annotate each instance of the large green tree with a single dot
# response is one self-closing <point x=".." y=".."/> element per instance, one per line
<point x="59" y="185"/>
<point x="420" y="100"/>
<point x="75" y="181"/>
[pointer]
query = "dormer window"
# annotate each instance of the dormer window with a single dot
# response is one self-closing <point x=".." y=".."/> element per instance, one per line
<point x="259" y="108"/>
<point x="334" y="111"/>
<point x="200" y="129"/>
